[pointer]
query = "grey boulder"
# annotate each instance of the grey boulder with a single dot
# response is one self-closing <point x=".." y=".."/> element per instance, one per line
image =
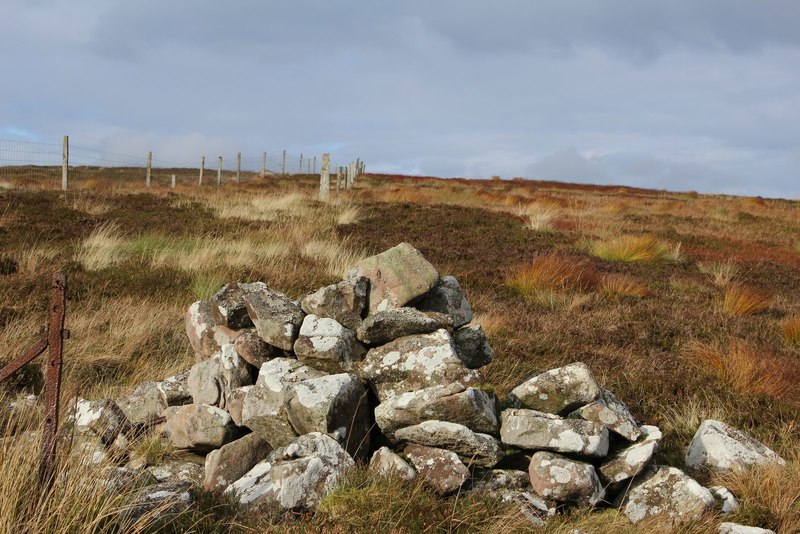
<point x="608" y="410"/>
<point x="326" y="345"/>
<point x="441" y="469"/>
<point x="386" y="462"/>
<point x="448" y="298"/>
<point x="388" y="325"/>
<point x="565" y="481"/>
<point x="558" y="391"/>
<point x="277" y="318"/>
<point x="667" y="494"/>
<point x="144" y="404"/>
<point x="719" y="446"/>
<point x="199" y="427"/>
<point x="471" y="447"/>
<point x="532" y="430"/>
<point x="228" y="306"/>
<point x="205" y="334"/>
<point x="472" y="347"/>
<point x="344" y="302"/>
<point x="210" y="381"/>
<point x="232" y="461"/>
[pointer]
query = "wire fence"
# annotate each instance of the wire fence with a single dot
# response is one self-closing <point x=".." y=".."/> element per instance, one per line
<point x="25" y="164"/>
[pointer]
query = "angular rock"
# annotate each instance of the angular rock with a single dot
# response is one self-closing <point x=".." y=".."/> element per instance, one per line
<point x="210" y="381"/>
<point x="735" y="528"/>
<point x="726" y="501"/>
<point x="474" y="408"/>
<point x="448" y="298"/>
<point x="608" y="410"/>
<point x="264" y="408"/>
<point x="719" y="446"/>
<point x="558" y="391"/>
<point x="333" y="403"/>
<point x="233" y="460"/>
<point x="441" y="469"/>
<point x="327" y="345"/>
<point x="668" y="494"/>
<point x="397" y="276"/>
<point x="255" y="350"/>
<point x="499" y="481"/>
<point x="566" y="481"/>
<point x="382" y="327"/>
<point x="176" y="389"/>
<point x="234" y="403"/>
<point x="344" y="302"/>
<point x="533" y="508"/>
<point x="296" y="477"/>
<point x="205" y="334"/>
<point x="165" y="500"/>
<point x="277" y="318"/>
<point x="199" y="427"/>
<point x="178" y="471"/>
<point x="472" y="346"/>
<point x="415" y="362"/>
<point x="386" y="462"/>
<point x="144" y="404"/>
<point x="632" y="460"/>
<point x="529" y="429"/>
<point x="471" y="447"/>
<point x="103" y="418"/>
<point x="228" y="307"/>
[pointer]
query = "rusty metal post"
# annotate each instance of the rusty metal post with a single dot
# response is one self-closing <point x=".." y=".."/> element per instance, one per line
<point x="56" y="335"/>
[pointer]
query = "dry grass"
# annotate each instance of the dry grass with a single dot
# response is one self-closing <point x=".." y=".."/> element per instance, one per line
<point x="102" y="248"/>
<point x="790" y="331"/>
<point x="721" y="273"/>
<point x="540" y="217"/>
<point x="553" y="272"/>
<point x="739" y="301"/>
<point x="627" y="248"/>
<point x="616" y="287"/>
<point x="746" y="367"/>
<point x="88" y="204"/>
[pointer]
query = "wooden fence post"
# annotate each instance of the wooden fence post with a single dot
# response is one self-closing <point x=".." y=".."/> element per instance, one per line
<point x="172" y="185"/>
<point x="338" y="178"/>
<point x="264" y="165"/>
<point x="238" y="166"/>
<point x="219" y="171"/>
<point x="202" y="169"/>
<point x="325" y="176"/>
<point x="300" y="169"/>
<point x="315" y="165"/>
<point x="65" y="163"/>
<point x="283" y="163"/>
<point x="148" y="173"/>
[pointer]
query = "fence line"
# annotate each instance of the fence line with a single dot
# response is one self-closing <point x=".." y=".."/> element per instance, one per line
<point x="53" y="166"/>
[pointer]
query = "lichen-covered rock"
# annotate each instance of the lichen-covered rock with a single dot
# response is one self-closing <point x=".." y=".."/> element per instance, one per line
<point x="558" y="391"/>
<point x="472" y="347"/>
<point x="717" y="445"/>
<point x="415" y="362"/>
<point x="533" y="508"/>
<point x="176" y="389"/>
<point x="608" y="410"/>
<point x="441" y="469"/>
<point x="529" y="429"/>
<point x="210" y="381"/>
<point x="632" y="460"/>
<point x="326" y="345"/>
<point x="448" y="298"/>
<point x="726" y="501"/>
<point x="344" y="302"/>
<point x="199" y="427"/>
<point x="471" y="447"/>
<point x="474" y="408"/>
<point x="228" y="306"/>
<point x="735" y="528"/>
<point x="333" y="403"/>
<point x="277" y="318"/>
<point x="382" y="327"/>
<point x="665" y="493"/>
<point x="164" y="500"/>
<point x="233" y="460"/>
<point x="264" y="407"/>
<point x="397" y="276"/>
<point x="234" y="403"/>
<point x="255" y="350"/>
<point x="144" y="404"/>
<point x="102" y="418"/>
<point x="565" y="481"/>
<point x="386" y="462"/>
<point x="205" y="334"/>
<point x="296" y="477"/>
<point x="495" y="482"/>
<point x="178" y="471"/>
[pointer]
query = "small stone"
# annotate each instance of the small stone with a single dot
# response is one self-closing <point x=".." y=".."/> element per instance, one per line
<point x="277" y="318"/>
<point x="385" y="326"/>
<point x="199" y="427"/>
<point x="327" y="345"/>
<point x="103" y="418"/>
<point x="144" y="404"/>
<point x="726" y="501"/>
<point x="344" y="302"/>
<point x="233" y="460"/>
<point x="719" y="446"/>
<point x="632" y="460"/>
<point x="665" y="493"/>
<point x="234" y="403"/>
<point x="210" y="381"/>
<point x="529" y="429"/>
<point x="448" y="298"/>
<point x="178" y="471"/>
<point x="473" y="448"/>
<point x="386" y="462"/>
<point x="533" y="508"/>
<point x="397" y="276"/>
<point x="494" y="482"/>
<point x="415" y="362"/>
<point x="566" y="481"/>
<point x="472" y="346"/>
<point x="255" y="350"/>
<point x="176" y="389"/>
<point x="735" y="528"/>
<point x="442" y="470"/>
<point x="168" y="498"/>
<point x="558" y="391"/>
<point x="608" y="410"/>
<point x="228" y="306"/>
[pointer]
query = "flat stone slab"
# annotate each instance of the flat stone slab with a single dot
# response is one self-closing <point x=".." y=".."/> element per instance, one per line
<point x="558" y="391"/>
<point x="632" y="460"/>
<point x="277" y="318"/>
<point x="532" y="430"/>
<point x="232" y="461"/>
<point x="473" y="448"/>
<point x="717" y="445"/>
<point x="385" y="326"/>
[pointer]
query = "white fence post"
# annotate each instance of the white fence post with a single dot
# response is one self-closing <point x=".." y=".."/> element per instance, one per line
<point x="65" y="163"/>
<point x="173" y="182"/>
<point x="300" y="169"/>
<point x="219" y="171"/>
<point x="264" y="165"/>
<point x="283" y="163"/>
<point x="238" y="166"/>
<point x="202" y="169"/>
<point x="325" y="176"/>
<point x="149" y="167"/>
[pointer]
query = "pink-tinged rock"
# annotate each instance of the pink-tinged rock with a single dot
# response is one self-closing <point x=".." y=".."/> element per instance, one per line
<point x="388" y="463"/>
<point x="397" y="276"/>
<point x="232" y="461"/>
<point x="255" y="350"/>
<point x="565" y="481"/>
<point x="442" y="470"/>
<point x="343" y="302"/>
<point x="277" y="318"/>
<point x="205" y="334"/>
<point x="198" y="427"/>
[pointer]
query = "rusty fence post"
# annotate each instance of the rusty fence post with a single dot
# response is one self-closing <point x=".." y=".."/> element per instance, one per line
<point x="56" y="335"/>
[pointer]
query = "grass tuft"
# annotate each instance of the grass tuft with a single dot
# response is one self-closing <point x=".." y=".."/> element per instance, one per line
<point x="552" y="272"/>
<point x="617" y="287"/>
<point x="721" y="273"/>
<point x="102" y="248"/>
<point x="790" y="331"/>
<point x="740" y="301"/>
<point x="629" y="249"/>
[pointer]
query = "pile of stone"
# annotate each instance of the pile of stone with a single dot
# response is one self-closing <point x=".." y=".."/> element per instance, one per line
<point x="384" y="367"/>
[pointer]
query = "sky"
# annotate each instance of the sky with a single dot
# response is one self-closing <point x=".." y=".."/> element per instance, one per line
<point x="699" y="95"/>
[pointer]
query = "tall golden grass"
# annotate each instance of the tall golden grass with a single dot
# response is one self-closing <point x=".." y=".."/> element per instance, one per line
<point x="721" y="273"/>
<point x="790" y="331"/>
<point x="739" y="300"/>
<point x="619" y="286"/>
<point x="552" y="272"/>
<point x="628" y="248"/>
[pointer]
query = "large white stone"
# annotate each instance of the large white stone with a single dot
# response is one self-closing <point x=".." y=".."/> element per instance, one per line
<point x="532" y="430"/>
<point x="566" y="481"/>
<point x="473" y="448"/>
<point x="717" y="445"/>
<point x="667" y="494"/>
